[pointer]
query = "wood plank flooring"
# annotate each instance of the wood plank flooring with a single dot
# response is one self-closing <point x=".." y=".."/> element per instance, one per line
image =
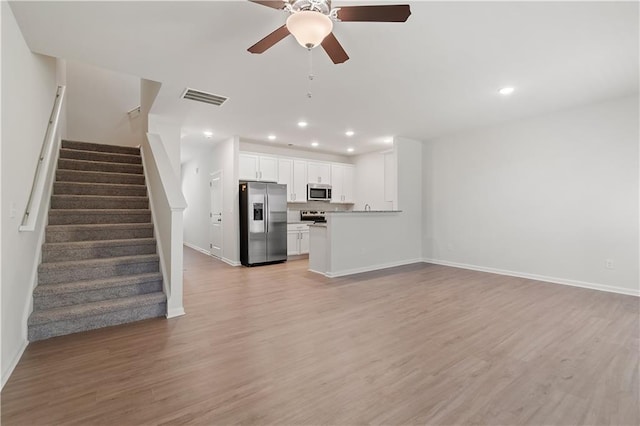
<point x="419" y="344"/>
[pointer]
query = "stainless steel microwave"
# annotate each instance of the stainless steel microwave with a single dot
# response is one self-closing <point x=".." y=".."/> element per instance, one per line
<point x="318" y="192"/>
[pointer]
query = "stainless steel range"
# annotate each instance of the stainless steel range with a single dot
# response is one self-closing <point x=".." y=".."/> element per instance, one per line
<point x="312" y="216"/>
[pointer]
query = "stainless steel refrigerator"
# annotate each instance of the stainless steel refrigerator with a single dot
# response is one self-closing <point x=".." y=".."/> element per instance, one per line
<point x="263" y="223"/>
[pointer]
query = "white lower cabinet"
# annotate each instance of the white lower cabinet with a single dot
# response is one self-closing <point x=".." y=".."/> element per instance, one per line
<point x="297" y="239"/>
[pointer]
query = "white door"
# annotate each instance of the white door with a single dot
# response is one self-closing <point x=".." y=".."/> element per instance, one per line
<point x="215" y="186"/>
<point x="337" y="193"/>
<point x="293" y="247"/>
<point x="304" y="242"/>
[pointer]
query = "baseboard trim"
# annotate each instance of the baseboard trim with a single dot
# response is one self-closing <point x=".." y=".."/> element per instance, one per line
<point x="14" y="363"/>
<point x="195" y="247"/>
<point x="544" y="278"/>
<point x="175" y="312"/>
<point x="369" y="268"/>
<point x="230" y="262"/>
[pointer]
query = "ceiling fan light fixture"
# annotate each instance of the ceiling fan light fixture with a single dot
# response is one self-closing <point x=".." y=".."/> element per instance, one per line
<point x="309" y="27"/>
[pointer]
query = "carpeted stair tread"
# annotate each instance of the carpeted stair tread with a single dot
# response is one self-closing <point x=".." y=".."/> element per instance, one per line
<point x="108" y="157"/>
<point x="82" y="270"/>
<point x="96" y="249"/>
<point x="89" y="146"/>
<point x="95" y="308"/>
<point x="94" y="188"/>
<point x="101" y="231"/>
<point x="98" y="202"/>
<point x="94" y="263"/>
<point x="102" y="166"/>
<point x="90" y="176"/>
<point x="98" y="216"/>
<point x="99" y="243"/>
<point x="78" y="286"/>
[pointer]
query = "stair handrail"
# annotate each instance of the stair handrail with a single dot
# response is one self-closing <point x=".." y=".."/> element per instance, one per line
<point x="39" y="179"/>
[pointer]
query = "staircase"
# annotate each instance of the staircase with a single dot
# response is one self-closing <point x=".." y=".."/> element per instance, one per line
<point x="99" y="261"/>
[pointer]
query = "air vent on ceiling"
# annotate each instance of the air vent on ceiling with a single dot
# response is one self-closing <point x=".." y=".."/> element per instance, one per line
<point x="207" y="98"/>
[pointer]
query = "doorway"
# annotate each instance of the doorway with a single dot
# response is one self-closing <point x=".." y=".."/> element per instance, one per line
<point x="215" y="215"/>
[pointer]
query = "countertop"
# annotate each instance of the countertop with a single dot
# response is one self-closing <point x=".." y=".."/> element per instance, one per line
<point x="366" y="211"/>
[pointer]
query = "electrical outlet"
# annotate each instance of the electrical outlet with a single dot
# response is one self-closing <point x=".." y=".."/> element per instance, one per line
<point x="608" y="263"/>
<point x="13" y="210"/>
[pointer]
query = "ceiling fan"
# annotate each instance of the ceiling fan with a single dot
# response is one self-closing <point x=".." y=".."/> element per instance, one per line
<point x="311" y="23"/>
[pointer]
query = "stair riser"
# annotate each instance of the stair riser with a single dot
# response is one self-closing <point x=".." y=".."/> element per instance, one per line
<point x="67" y="164"/>
<point x="101" y="148"/>
<point x="62" y="255"/>
<point x="97" y="234"/>
<point x="100" y="156"/>
<point x="86" y="218"/>
<point x="67" y="202"/>
<point x="50" y="301"/>
<point x="89" y="177"/>
<point x="82" y="273"/>
<point x="65" y="188"/>
<point x="59" y="328"/>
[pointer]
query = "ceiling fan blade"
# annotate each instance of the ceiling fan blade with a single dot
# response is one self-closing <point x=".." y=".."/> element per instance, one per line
<point x="270" y="40"/>
<point x="275" y="4"/>
<point x="383" y="13"/>
<point x="334" y="49"/>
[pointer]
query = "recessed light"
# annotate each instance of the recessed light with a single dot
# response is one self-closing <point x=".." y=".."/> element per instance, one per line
<point x="302" y="124"/>
<point x="272" y="137"/>
<point x="350" y="149"/>
<point x="314" y="144"/>
<point x="506" y="90"/>
<point x="208" y="134"/>
<point x="349" y="133"/>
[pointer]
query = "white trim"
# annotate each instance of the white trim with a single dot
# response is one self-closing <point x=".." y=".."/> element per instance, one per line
<point x="163" y="266"/>
<point x="14" y="362"/>
<point x="368" y="268"/>
<point x="208" y="253"/>
<point x="544" y="278"/>
<point x="175" y="312"/>
<point x="196" y="248"/>
<point x="229" y="261"/>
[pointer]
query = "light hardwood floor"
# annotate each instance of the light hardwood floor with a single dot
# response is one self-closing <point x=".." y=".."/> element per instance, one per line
<point x="276" y="344"/>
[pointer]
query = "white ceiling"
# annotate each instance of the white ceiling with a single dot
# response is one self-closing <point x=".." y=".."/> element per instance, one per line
<point x="437" y="73"/>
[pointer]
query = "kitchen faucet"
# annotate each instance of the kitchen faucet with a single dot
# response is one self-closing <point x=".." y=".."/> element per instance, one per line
<point x="367" y="208"/>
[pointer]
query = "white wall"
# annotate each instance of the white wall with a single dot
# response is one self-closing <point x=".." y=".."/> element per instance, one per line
<point x="97" y="105"/>
<point x="225" y="158"/>
<point x="170" y="133"/>
<point x="28" y="92"/>
<point x="551" y="196"/>
<point x="195" y="187"/>
<point x="369" y="182"/>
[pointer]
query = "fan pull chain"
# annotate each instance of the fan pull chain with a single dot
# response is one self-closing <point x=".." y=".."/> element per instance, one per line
<point x="309" y="95"/>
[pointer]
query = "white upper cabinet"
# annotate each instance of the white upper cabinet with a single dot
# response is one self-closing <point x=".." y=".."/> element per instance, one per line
<point x="293" y="173"/>
<point x="300" y="181"/>
<point x="258" y="167"/>
<point x="342" y="176"/>
<point x="319" y="173"/>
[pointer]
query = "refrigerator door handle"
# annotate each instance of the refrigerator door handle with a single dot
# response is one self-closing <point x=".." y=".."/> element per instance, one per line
<point x="267" y="216"/>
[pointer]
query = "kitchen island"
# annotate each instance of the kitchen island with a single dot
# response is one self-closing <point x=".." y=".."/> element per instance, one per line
<point x="351" y="242"/>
